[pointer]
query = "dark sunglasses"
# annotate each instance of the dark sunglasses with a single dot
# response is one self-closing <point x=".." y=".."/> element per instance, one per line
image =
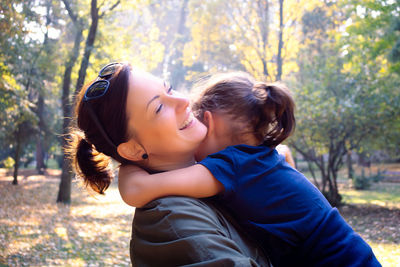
<point x="98" y="89"/>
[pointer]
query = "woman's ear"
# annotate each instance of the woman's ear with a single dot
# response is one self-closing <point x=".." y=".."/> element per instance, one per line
<point x="131" y="150"/>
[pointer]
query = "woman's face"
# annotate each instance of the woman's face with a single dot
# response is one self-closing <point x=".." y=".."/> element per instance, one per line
<point x="161" y="121"/>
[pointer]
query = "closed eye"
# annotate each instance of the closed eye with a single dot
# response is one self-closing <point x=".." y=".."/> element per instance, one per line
<point x="159" y="108"/>
<point x="169" y="91"/>
<point x="169" y="88"/>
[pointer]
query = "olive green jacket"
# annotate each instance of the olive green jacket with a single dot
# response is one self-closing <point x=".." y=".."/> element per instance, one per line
<point x="180" y="231"/>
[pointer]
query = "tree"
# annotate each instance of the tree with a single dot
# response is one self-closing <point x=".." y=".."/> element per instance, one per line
<point x="171" y="21"/>
<point x="64" y="192"/>
<point x="18" y="122"/>
<point x="280" y="43"/>
<point x="91" y="37"/>
<point x="341" y="104"/>
<point x="255" y="36"/>
<point x="40" y="78"/>
<point x="370" y="47"/>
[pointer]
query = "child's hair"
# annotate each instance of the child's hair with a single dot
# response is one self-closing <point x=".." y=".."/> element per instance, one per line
<point x="265" y="109"/>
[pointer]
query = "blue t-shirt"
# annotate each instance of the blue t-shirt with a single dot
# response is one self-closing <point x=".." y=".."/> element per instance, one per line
<point x="285" y="212"/>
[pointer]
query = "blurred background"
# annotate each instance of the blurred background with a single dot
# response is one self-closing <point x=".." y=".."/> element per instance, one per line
<point x="341" y="60"/>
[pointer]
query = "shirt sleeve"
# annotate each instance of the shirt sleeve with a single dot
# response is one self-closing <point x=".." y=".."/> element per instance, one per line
<point x="341" y="246"/>
<point x="222" y="166"/>
<point x="180" y="231"/>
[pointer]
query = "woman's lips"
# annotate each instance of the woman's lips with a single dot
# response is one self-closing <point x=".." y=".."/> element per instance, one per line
<point x="188" y="122"/>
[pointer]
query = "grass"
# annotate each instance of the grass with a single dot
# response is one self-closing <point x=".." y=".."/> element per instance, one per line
<point x="95" y="230"/>
<point x="380" y="194"/>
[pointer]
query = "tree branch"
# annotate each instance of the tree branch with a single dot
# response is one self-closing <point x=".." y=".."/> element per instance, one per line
<point x="110" y="9"/>
<point x="71" y="13"/>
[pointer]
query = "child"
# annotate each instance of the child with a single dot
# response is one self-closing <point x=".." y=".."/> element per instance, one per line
<point x="273" y="202"/>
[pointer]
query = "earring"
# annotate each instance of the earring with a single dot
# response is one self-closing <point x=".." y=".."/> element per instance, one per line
<point x="145" y="156"/>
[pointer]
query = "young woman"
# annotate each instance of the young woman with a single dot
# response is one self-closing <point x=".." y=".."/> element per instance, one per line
<point x="132" y="116"/>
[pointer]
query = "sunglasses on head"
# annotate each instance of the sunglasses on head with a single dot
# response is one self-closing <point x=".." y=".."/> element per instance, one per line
<point x="98" y="89"/>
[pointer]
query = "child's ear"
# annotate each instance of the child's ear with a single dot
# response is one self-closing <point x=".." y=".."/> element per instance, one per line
<point x="131" y="150"/>
<point x="209" y="122"/>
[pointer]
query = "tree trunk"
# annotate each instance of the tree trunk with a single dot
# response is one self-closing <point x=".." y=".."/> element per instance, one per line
<point x="94" y="11"/>
<point x="328" y="172"/>
<point x="334" y="198"/>
<point x="64" y="191"/>
<point x="350" y="170"/>
<point x="178" y="70"/>
<point x="264" y="26"/>
<point x="332" y="167"/>
<point x="40" y="166"/>
<point x="321" y="166"/>
<point x="16" y="156"/>
<point x="311" y="170"/>
<point x="280" y="43"/>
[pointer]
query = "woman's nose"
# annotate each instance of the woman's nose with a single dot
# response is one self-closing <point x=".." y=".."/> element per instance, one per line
<point x="181" y="102"/>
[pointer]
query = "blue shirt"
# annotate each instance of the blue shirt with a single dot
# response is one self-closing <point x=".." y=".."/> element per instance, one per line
<point x="285" y="212"/>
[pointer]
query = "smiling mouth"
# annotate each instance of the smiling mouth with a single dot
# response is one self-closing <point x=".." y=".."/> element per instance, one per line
<point x="187" y="122"/>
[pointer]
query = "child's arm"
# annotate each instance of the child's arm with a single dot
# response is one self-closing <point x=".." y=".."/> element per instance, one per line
<point x="137" y="187"/>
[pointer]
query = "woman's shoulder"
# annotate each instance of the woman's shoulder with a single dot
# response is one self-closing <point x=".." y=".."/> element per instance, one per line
<point x="176" y="209"/>
<point x="174" y="203"/>
<point x="185" y="230"/>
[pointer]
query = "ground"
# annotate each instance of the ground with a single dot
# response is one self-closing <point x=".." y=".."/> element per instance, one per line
<point x="35" y="231"/>
<point x="95" y="230"/>
<point x="375" y="215"/>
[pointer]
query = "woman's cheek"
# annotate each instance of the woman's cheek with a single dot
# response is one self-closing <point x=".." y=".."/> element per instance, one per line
<point x="201" y="132"/>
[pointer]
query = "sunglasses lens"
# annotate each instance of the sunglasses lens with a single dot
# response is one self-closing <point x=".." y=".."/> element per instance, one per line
<point x="97" y="89"/>
<point x="109" y="70"/>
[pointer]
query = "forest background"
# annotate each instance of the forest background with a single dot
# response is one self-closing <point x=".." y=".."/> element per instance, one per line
<point x="341" y="59"/>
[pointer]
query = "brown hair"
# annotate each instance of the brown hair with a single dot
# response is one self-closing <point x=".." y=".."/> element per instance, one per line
<point x="88" y="148"/>
<point x="264" y="109"/>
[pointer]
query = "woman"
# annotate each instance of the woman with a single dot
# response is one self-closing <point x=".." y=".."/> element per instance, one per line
<point x="285" y="212"/>
<point x="134" y="117"/>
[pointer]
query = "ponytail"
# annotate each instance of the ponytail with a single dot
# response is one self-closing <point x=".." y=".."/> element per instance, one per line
<point x="96" y="132"/>
<point x="90" y="164"/>
<point x="277" y="121"/>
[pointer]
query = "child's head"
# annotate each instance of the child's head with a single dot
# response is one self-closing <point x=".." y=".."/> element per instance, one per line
<point x="264" y="111"/>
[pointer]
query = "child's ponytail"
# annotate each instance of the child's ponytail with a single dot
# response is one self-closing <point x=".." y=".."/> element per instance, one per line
<point x="91" y="165"/>
<point x="277" y="120"/>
